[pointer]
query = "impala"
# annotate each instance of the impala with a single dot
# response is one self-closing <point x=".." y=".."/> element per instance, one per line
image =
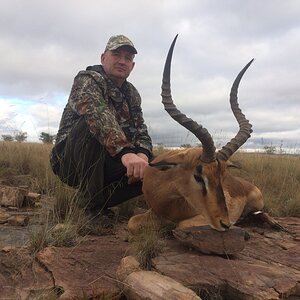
<point x="194" y="187"/>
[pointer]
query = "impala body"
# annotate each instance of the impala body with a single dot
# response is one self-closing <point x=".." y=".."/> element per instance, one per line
<point x="194" y="187"/>
<point x="193" y="193"/>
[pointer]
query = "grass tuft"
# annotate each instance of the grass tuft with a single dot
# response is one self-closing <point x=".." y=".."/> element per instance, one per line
<point x="146" y="245"/>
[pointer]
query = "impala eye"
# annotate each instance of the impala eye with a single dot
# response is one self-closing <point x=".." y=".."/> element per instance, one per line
<point x="199" y="179"/>
<point x="198" y="176"/>
<point x="163" y="165"/>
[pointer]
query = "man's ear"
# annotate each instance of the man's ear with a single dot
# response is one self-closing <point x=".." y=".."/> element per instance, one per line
<point x="133" y="64"/>
<point x="102" y="57"/>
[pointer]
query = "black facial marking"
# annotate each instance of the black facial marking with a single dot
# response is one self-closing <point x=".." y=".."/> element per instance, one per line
<point x="199" y="180"/>
<point x="220" y="196"/>
<point x="163" y="165"/>
<point x="199" y="169"/>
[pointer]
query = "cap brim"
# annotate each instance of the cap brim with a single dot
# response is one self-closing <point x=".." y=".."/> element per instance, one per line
<point x="133" y="50"/>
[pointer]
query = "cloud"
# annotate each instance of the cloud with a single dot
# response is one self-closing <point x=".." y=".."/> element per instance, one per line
<point x="7" y="114"/>
<point x="45" y="43"/>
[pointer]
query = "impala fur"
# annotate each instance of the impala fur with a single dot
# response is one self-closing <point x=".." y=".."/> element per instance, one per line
<point x="194" y="187"/>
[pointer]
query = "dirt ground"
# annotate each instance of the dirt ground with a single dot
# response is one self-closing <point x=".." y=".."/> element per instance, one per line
<point x="268" y="267"/>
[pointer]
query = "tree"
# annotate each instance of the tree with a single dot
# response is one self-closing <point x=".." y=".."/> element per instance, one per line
<point x="7" y="137"/>
<point x="21" y="136"/>
<point x="270" y="149"/>
<point x="186" y="146"/>
<point x="47" y="138"/>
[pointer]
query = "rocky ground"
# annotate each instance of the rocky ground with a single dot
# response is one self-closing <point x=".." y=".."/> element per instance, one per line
<point x="267" y="268"/>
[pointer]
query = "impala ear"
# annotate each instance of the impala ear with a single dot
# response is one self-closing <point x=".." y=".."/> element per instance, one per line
<point x="163" y="165"/>
<point x="234" y="165"/>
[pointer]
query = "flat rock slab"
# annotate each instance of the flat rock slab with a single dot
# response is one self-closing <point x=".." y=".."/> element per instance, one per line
<point x="268" y="268"/>
<point x="21" y="275"/>
<point x="86" y="271"/>
<point x="209" y="241"/>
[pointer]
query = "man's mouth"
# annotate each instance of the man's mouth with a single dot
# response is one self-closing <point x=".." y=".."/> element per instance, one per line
<point x="120" y="69"/>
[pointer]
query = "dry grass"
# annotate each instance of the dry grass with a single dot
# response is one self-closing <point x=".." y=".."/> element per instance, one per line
<point x="278" y="177"/>
<point x="28" y="164"/>
<point x="146" y="245"/>
<point x="39" y="238"/>
<point x="30" y="161"/>
<point x="46" y="294"/>
<point x="150" y="240"/>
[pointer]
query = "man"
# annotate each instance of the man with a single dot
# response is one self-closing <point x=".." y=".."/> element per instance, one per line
<point x="102" y="146"/>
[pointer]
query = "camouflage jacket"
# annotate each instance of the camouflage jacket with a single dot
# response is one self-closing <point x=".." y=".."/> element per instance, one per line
<point x="114" y="116"/>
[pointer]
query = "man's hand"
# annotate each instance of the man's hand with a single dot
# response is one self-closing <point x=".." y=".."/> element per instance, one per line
<point x="135" y="165"/>
<point x="143" y="156"/>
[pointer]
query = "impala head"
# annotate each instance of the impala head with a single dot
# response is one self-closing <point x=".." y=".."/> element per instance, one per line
<point x="200" y="179"/>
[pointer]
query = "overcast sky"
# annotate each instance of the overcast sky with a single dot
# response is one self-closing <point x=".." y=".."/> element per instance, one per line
<point x="43" y="45"/>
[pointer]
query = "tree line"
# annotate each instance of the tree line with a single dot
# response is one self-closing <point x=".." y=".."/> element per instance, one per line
<point x="21" y="137"/>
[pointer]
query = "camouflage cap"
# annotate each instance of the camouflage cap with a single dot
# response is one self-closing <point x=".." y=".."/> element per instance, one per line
<point x="117" y="41"/>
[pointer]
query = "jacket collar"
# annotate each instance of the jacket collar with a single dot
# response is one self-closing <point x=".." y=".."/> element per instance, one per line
<point x="115" y="93"/>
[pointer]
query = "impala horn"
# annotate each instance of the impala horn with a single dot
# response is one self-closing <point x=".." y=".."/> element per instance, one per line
<point x="245" y="127"/>
<point x="208" y="155"/>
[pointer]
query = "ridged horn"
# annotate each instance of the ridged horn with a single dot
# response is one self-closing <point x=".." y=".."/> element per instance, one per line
<point x="245" y="127"/>
<point x="208" y="153"/>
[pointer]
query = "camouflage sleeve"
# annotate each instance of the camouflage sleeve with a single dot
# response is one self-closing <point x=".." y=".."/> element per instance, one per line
<point x="141" y="138"/>
<point x="87" y="99"/>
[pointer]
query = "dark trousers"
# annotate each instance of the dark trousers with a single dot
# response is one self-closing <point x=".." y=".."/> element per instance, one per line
<point x="86" y="165"/>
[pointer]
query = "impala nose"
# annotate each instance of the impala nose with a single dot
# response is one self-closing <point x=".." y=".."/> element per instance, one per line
<point x="225" y="226"/>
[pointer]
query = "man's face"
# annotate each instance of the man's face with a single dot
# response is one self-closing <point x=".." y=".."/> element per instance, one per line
<point x="118" y="63"/>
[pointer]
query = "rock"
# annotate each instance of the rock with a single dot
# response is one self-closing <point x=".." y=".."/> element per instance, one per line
<point x="20" y="275"/>
<point x="211" y="241"/>
<point x="87" y="270"/>
<point x="8" y="248"/>
<point x="12" y="208"/>
<point x="32" y="198"/>
<point x="154" y="286"/>
<point x="18" y="220"/>
<point x="12" y="196"/>
<point x="59" y="227"/>
<point x="38" y="205"/>
<point x="267" y="269"/>
<point x="138" y="284"/>
<point x="4" y="216"/>
<point x="128" y="265"/>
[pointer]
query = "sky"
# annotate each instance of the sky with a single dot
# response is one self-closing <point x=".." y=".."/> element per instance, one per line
<point x="44" y="44"/>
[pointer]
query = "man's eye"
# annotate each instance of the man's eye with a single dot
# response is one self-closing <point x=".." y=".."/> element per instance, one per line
<point x="129" y="58"/>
